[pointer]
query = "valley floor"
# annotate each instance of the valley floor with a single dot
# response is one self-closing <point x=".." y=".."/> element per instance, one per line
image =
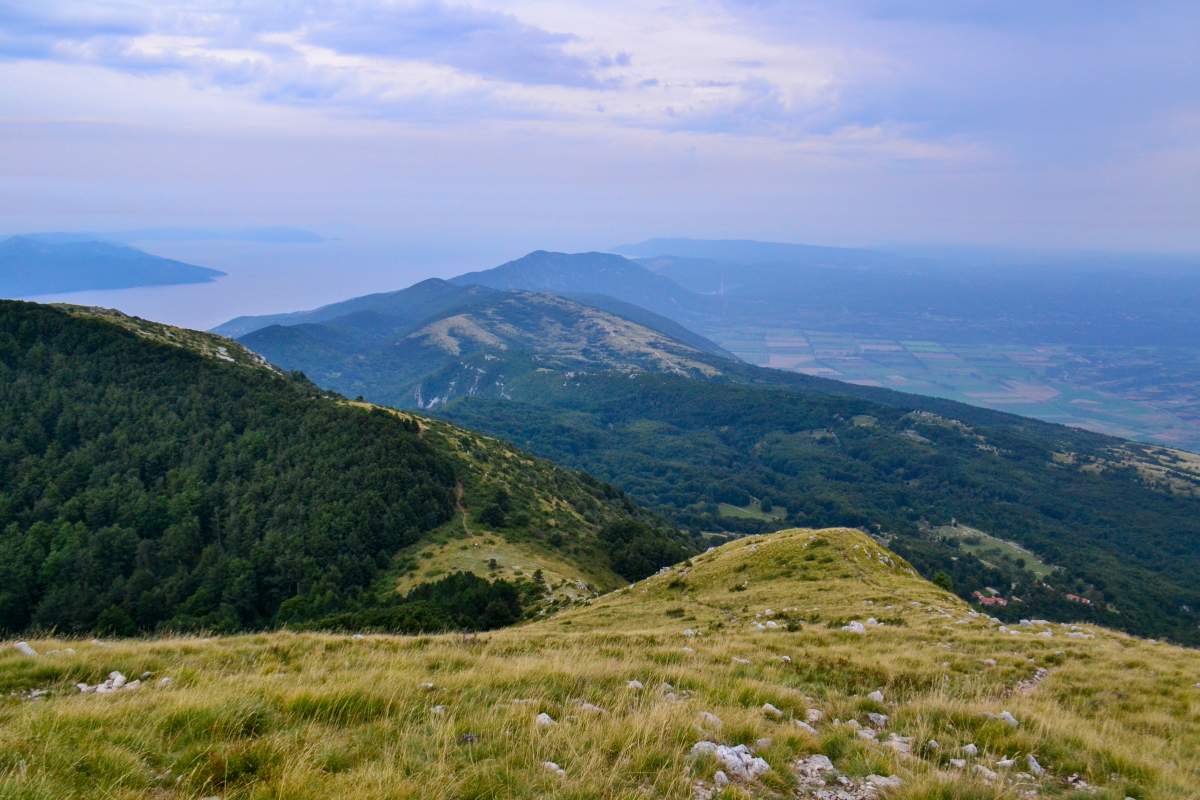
<point x="797" y="645"/>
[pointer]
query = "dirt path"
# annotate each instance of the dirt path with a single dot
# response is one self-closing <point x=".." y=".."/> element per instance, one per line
<point x="458" y="504"/>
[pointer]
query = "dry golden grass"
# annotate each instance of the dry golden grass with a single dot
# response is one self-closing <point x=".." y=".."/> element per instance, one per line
<point x="285" y="715"/>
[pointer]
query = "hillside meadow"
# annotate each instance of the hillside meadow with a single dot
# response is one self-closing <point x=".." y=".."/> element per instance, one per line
<point x="793" y="644"/>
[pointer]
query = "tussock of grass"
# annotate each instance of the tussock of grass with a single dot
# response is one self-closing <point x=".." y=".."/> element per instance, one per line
<point x="301" y="716"/>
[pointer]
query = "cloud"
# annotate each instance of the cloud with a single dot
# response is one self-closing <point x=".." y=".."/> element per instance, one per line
<point x="488" y="44"/>
<point x="945" y="95"/>
<point x="485" y="43"/>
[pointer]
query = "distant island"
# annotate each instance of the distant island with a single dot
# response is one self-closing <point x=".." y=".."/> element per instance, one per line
<point x="55" y="263"/>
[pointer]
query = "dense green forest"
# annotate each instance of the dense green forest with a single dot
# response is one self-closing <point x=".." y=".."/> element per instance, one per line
<point x="145" y="486"/>
<point x="696" y="450"/>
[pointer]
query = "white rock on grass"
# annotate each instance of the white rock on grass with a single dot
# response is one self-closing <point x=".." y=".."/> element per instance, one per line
<point x="970" y="750"/>
<point x="763" y="743"/>
<point x="635" y="685"/>
<point x="688" y="632"/>
<point x="1006" y="763"/>
<point x="438" y="711"/>
<point x="738" y="762"/>
<point x="883" y="782"/>
<point x="958" y="763"/>
<point x="710" y="719"/>
<point x="555" y="768"/>
<point x="985" y="773"/>
<point x="877" y="719"/>
<point x="813" y="766"/>
<point x="1008" y="719"/>
<point x="720" y="779"/>
<point x="813" y="715"/>
<point x="115" y="683"/>
<point x="164" y="683"/>
<point x="591" y="709"/>
<point x="786" y="659"/>
<point x="854" y="627"/>
<point x="544" y="720"/>
<point x="772" y="711"/>
<point x="804" y="726"/>
<point x="875" y="696"/>
<point x="25" y="649"/>
<point x="1034" y="766"/>
<point x="740" y="660"/>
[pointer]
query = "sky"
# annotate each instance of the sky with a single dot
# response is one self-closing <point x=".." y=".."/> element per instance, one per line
<point x="474" y="128"/>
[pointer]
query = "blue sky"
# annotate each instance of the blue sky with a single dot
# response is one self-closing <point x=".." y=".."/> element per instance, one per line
<point x="531" y="123"/>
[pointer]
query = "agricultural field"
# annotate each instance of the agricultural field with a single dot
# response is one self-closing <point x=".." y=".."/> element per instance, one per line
<point x="1149" y="394"/>
<point x="786" y="665"/>
<point x="994" y="551"/>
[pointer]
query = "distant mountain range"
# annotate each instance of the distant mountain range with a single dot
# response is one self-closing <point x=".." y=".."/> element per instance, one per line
<point x="722" y="445"/>
<point x="436" y="341"/>
<point x="56" y="263"/>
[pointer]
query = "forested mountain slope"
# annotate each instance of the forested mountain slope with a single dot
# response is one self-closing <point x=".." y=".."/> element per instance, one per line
<point x="1103" y="529"/>
<point x="152" y="477"/>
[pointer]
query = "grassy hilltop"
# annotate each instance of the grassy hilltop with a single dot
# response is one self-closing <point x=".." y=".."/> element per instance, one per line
<point x="710" y="642"/>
